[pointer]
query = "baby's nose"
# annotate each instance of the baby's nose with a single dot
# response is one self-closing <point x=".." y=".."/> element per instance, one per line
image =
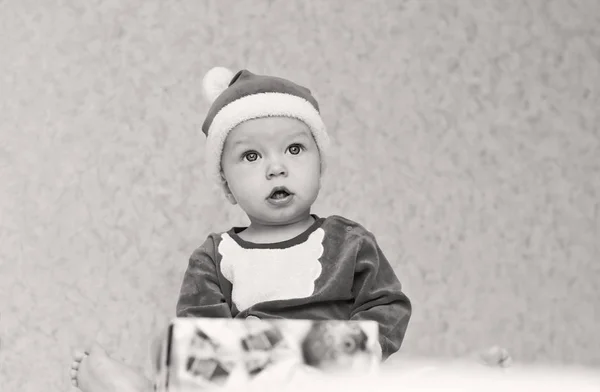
<point x="276" y="170"/>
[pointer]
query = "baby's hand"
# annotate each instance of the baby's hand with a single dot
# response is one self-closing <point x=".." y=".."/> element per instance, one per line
<point x="496" y="357"/>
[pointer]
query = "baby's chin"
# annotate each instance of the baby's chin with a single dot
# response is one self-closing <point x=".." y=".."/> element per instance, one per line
<point x="279" y="218"/>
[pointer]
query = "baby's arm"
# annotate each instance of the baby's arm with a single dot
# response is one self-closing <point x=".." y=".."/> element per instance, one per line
<point x="379" y="297"/>
<point x="201" y="294"/>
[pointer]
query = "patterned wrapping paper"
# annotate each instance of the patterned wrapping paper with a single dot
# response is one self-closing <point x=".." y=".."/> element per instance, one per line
<point x="218" y="354"/>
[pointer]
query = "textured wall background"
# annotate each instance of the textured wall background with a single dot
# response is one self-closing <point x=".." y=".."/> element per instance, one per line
<point x="467" y="140"/>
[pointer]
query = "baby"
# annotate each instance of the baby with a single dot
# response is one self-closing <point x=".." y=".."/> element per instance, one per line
<point x="267" y="149"/>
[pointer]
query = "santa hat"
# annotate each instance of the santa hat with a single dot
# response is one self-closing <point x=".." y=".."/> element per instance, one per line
<point x="245" y="96"/>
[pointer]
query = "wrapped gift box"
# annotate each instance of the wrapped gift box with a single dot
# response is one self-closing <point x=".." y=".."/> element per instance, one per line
<point x="217" y="354"/>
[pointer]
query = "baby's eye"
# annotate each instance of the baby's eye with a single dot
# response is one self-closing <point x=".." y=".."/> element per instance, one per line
<point x="295" y="149"/>
<point x="250" y="156"/>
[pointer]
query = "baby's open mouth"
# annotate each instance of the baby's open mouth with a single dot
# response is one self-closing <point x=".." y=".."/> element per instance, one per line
<point x="279" y="193"/>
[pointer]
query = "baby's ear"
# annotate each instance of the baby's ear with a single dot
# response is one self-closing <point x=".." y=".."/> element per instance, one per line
<point x="226" y="189"/>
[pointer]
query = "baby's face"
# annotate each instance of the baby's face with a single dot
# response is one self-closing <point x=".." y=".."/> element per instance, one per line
<point x="262" y="154"/>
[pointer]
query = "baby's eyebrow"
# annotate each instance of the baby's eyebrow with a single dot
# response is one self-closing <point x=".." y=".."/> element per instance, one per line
<point x="246" y="141"/>
<point x="298" y="134"/>
<point x="241" y="142"/>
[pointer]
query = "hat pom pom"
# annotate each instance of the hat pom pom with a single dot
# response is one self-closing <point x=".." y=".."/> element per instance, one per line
<point x="215" y="82"/>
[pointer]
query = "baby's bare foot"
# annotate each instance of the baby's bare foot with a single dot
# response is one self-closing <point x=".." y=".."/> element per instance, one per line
<point x="97" y="372"/>
<point x="77" y="358"/>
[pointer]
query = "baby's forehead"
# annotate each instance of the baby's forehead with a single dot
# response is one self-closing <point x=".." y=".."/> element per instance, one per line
<point x="267" y="129"/>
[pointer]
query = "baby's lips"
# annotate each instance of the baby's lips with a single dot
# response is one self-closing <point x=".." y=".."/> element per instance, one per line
<point x="277" y="189"/>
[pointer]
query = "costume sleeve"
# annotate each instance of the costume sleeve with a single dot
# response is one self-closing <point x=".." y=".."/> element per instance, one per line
<point x="201" y="294"/>
<point x="379" y="297"/>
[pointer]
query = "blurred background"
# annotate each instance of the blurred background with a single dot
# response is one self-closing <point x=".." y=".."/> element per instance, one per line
<point x="466" y="137"/>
